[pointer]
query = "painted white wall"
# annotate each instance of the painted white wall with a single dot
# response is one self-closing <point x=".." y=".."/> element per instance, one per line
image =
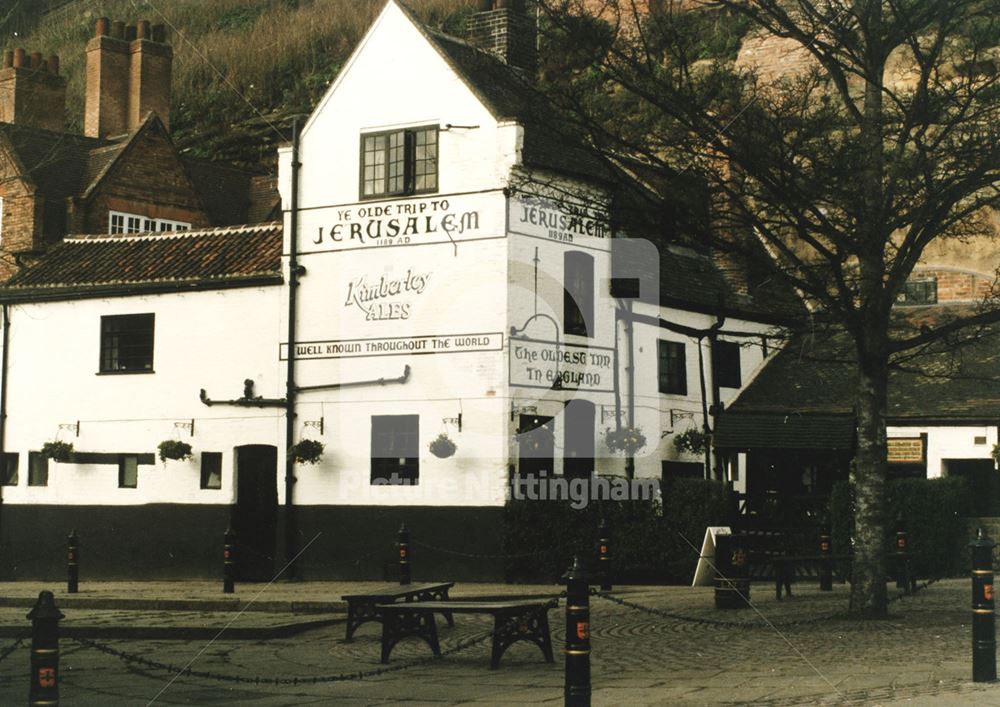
<point x="950" y="443"/>
<point x="212" y="340"/>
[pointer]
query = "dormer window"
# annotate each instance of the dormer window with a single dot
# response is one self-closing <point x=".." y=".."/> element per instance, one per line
<point x="121" y="222"/>
<point x="399" y="162"/>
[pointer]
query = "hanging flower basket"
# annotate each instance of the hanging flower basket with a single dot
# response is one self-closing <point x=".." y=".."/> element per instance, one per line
<point x="628" y="440"/>
<point x="306" y="451"/>
<point x="442" y="447"/>
<point x="173" y="449"/>
<point x="692" y="440"/>
<point x="57" y="451"/>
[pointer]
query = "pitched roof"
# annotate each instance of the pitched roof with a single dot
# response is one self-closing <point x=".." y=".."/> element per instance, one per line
<point x="212" y="257"/>
<point x="57" y="163"/>
<point x="548" y="141"/>
<point x="689" y="279"/>
<point x="956" y="380"/>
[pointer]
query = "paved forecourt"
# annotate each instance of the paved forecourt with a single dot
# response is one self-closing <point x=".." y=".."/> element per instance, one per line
<point x="667" y="645"/>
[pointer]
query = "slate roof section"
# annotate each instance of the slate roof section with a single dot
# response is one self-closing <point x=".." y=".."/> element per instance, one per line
<point x="955" y="381"/>
<point x="212" y="257"/>
<point x="548" y="141"/>
<point x="780" y="431"/>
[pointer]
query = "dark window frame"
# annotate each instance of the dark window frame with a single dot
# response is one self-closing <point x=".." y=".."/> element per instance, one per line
<point x="123" y="469"/>
<point x="38" y="469"/>
<point x="726" y="364"/>
<point x="917" y="292"/>
<point x="399" y="434"/>
<point x="671" y="371"/>
<point x="10" y="462"/>
<point x="209" y="460"/>
<point x="579" y="293"/>
<point x="140" y="353"/>
<point x="403" y="156"/>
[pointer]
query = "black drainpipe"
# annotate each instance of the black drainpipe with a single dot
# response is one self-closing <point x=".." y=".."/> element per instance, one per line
<point x="290" y="390"/>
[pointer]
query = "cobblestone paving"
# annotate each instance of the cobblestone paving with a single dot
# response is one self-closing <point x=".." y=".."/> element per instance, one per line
<point x="919" y="656"/>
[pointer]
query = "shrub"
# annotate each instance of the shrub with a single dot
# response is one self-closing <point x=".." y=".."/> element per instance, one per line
<point x="931" y="511"/>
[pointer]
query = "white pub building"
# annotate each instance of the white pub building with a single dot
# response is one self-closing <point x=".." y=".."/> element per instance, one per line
<point x="444" y="268"/>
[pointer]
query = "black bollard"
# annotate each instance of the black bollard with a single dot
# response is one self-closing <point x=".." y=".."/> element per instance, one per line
<point x="826" y="562"/>
<point x="72" y="562"/>
<point x="577" y="692"/>
<point x="984" y="639"/>
<point x="229" y="561"/>
<point x="902" y="562"/>
<point x="403" y="542"/>
<point x="604" y="555"/>
<point x="44" y="681"/>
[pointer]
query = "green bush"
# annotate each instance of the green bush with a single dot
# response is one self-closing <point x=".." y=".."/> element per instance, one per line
<point x="647" y="537"/>
<point x="931" y="511"/>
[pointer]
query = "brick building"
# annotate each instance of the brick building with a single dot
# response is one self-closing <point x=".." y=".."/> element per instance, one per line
<point x="123" y="175"/>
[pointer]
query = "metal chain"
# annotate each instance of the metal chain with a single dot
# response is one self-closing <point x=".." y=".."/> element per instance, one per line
<point x="11" y="648"/>
<point x="258" y="680"/>
<point x="741" y="624"/>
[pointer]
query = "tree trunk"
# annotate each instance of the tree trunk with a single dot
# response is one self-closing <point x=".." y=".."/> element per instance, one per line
<point x="868" y="592"/>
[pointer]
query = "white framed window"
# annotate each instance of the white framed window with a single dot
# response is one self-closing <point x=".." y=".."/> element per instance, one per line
<point x="122" y="222"/>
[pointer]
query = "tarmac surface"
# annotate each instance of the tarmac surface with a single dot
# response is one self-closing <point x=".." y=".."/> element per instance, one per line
<point x="283" y="644"/>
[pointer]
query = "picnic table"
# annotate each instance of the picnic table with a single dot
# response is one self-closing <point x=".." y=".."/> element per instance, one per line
<point x="513" y="621"/>
<point x="361" y="607"/>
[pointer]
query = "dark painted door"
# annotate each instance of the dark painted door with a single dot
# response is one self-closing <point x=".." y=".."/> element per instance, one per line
<point x="536" y="445"/>
<point x="256" y="514"/>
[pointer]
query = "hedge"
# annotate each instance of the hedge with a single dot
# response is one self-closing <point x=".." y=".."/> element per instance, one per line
<point x="541" y="537"/>
<point x="931" y="511"/>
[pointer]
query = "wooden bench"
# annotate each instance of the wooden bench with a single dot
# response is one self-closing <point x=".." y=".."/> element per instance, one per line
<point x="361" y="607"/>
<point x="522" y="620"/>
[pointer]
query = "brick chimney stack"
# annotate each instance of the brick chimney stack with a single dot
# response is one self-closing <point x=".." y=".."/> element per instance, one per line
<point x="128" y="75"/>
<point x="32" y="93"/>
<point x="507" y="30"/>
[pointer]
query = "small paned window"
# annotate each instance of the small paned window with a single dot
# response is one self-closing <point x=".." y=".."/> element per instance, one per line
<point x="127" y="343"/>
<point x="211" y="470"/>
<point x="38" y="469"/>
<point x="399" y="163"/>
<point x="117" y="223"/>
<point x="726" y="358"/>
<point x="917" y="292"/>
<point x="672" y="368"/>
<point x="8" y="472"/>
<point x="395" y="449"/>
<point x="578" y="293"/>
<point x="121" y="222"/>
<point x="128" y="472"/>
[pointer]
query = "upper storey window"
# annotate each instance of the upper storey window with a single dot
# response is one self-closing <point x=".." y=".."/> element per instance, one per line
<point x="121" y="222"/>
<point x="399" y="162"/>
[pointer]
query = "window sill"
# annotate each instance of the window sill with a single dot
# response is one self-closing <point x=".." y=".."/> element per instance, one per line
<point x="397" y="197"/>
<point x="123" y="373"/>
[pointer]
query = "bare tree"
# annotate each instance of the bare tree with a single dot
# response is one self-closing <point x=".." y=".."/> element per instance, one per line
<point x="832" y="178"/>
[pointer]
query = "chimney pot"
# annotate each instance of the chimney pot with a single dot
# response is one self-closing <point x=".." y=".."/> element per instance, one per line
<point x="36" y="60"/>
<point x="118" y="30"/>
<point x="19" y="58"/>
<point x="130" y="33"/>
<point x="8" y="59"/>
<point x="54" y="64"/>
<point x="159" y="33"/>
<point x="142" y="30"/>
<point x="103" y="27"/>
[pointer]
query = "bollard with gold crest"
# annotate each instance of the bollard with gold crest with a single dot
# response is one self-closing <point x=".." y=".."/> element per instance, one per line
<point x="825" y="562"/>
<point x="403" y="544"/>
<point x="732" y="573"/>
<point x="604" y="555"/>
<point x="984" y="638"/>
<point x="229" y="561"/>
<point x="72" y="563"/>
<point x="577" y="691"/>
<point x="44" y="684"/>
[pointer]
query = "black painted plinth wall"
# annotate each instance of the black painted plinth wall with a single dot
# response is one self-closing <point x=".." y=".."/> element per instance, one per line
<point x="178" y="541"/>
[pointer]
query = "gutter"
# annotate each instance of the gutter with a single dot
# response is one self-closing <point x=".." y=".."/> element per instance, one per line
<point x="4" y="347"/>
<point x="290" y="390"/>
